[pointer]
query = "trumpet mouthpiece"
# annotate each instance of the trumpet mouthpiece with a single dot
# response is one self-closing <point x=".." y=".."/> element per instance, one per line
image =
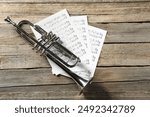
<point x="8" y="19"/>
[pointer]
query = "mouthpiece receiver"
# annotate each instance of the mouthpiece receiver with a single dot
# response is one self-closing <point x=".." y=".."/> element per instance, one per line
<point x="8" y="19"/>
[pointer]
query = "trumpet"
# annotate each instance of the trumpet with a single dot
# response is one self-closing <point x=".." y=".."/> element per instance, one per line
<point x="51" y="46"/>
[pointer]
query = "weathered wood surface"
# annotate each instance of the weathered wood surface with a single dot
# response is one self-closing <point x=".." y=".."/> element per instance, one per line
<point x="71" y="1"/>
<point x="42" y="76"/>
<point x="110" y="90"/>
<point x="118" y="33"/>
<point x="123" y="71"/>
<point x="97" y="12"/>
<point x="22" y="56"/>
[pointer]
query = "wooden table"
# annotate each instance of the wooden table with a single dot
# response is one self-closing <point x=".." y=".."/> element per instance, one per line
<point x="123" y="70"/>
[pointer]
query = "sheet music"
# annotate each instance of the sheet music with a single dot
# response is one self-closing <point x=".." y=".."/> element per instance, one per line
<point x="80" y="24"/>
<point x="83" y="40"/>
<point x="96" y="37"/>
<point x="60" y="25"/>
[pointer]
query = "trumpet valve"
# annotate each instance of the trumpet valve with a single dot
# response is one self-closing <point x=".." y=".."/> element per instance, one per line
<point x="42" y="52"/>
<point x="38" y="49"/>
<point x="35" y="45"/>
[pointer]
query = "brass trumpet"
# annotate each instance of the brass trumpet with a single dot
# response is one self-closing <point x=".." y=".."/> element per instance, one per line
<point x="50" y="45"/>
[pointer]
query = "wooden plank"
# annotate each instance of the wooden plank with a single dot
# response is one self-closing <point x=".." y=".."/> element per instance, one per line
<point x="97" y="12"/>
<point x="22" y="56"/>
<point x="126" y="32"/>
<point x="43" y="76"/>
<point x="125" y="54"/>
<point x="115" y="74"/>
<point x="112" y="90"/>
<point x="117" y="33"/>
<point x="18" y="56"/>
<point x="65" y="1"/>
<point x="119" y="90"/>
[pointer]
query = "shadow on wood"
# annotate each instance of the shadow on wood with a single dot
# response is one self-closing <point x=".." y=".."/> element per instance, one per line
<point x="96" y="91"/>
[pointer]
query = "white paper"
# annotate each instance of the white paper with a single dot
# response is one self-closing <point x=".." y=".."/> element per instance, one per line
<point x="60" y="25"/>
<point x="96" y="37"/>
<point x="83" y="40"/>
<point x="80" y="24"/>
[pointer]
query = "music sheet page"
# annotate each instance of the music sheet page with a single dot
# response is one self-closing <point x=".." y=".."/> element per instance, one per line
<point x="92" y="37"/>
<point x="96" y="37"/>
<point x="80" y="24"/>
<point x="61" y="25"/>
<point x="83" y="40"/>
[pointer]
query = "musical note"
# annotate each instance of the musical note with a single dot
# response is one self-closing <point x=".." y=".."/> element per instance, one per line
<point x="83" y="40"/>
<point x="61" y="25"/>
<point x="96" y="37"/>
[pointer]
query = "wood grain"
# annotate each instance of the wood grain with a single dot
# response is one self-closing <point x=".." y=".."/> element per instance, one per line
<point x="112" y="90"/>
<point x="126" y="32"/>
<point x="43" y="76"/>
<point x="117" y="33"/>
<point x="97" y="12"/>
<point x="22" y="56"/>
<point x="125" y="54"/>
<point x="66" y="1"/>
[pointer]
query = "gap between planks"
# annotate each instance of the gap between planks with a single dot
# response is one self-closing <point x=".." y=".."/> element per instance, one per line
<point x="102" y="12"/>
<point x="131" y="90"/>
<point x="43" y="76"/>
